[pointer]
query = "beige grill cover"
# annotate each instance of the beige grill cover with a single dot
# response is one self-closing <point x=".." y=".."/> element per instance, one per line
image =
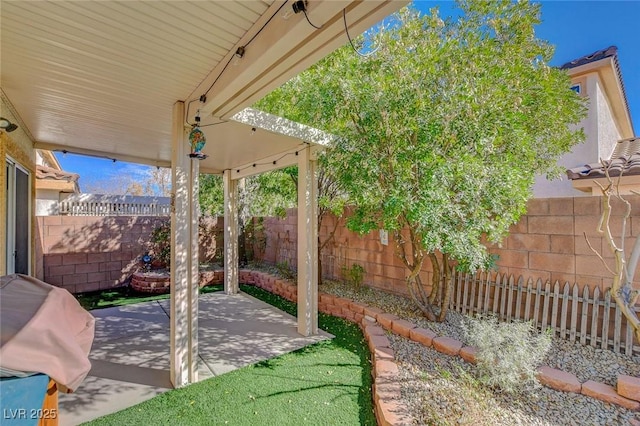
<point x="43" y="329"/>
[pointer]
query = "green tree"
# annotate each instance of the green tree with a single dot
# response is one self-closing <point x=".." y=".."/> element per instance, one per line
<point x="211" y="195"/>
<point x="441" y="131"/>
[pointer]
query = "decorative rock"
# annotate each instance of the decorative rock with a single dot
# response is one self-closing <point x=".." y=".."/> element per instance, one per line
<point x="629" y="387"/>
<point x="368" y="318"/>
<point x="348" y="314"/>
<point x="422" y="335"/>
<point x="378" y="342"/>
<point x="372" y="312"/>
<point x="392" y="413"/>
<point x="607" y="393"/>
<point x="386" y="320"/>
<point x="382" y="353"/>
<point x="327" y="298"/>
<point x="387" y="390"/>
<point x="335" y="311"/>
<point x="374" y="330"/>
<point x="469" y="354"/>
<point x="385" y="369"/>
<point x="343" y="303"/>
<point x="366" y="323"/>
<point x="402" y="327"/>
<point x="356" y="307"/>
<point x="558" y="379"/>
<point x="447" y="345"/>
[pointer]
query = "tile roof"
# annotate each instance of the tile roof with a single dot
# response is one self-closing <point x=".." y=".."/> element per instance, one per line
<point x="609" y="52"/>
<point x="43" y="172"/>
<point x="625" y="159"/>
<point x="595" y="56"/>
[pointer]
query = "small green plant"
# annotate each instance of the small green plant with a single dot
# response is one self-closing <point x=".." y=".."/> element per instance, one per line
<point x="161" y="243"/>
<point x="255" y="239"/>
<point x="508" y="353"/>
<point x="354" y="275"/>
<point x="286" y="271"/>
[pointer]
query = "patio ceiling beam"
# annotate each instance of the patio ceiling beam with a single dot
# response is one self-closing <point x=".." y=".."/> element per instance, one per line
<point x="106" y="154"/>
<point x="283" y="48"/>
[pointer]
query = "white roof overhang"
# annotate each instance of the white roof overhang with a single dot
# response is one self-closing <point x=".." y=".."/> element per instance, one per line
<point x="101" y="77"/>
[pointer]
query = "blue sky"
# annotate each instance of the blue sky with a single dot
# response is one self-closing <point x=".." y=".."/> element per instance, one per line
<point x="576" y="28"/>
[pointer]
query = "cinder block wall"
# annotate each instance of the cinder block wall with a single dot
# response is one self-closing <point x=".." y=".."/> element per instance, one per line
<point x="87" y="253"/>
<point x="548" y="243"/>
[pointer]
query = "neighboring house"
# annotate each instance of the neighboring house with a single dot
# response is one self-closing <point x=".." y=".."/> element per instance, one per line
<point x="624" y="161"/>
<point x="58" y="193"/>
<point x="52" y="183"/>
<point x="596" y="76"/>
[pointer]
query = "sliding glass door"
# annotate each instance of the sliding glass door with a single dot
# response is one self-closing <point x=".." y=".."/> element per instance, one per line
<point x="18" y="218"/>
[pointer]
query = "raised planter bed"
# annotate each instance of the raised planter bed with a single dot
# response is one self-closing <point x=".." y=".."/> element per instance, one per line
<point x="159" y="281"/>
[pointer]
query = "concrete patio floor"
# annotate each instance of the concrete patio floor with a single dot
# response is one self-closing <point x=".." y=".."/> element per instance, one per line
<point x="130" y="353"/>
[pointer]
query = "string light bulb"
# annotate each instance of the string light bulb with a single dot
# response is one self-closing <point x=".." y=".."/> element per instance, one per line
<point x="240" y="51"/>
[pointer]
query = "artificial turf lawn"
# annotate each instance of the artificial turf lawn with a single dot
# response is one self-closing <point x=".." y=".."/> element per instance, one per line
<point x="327" y="383"/>
<point x="126" y="296"/>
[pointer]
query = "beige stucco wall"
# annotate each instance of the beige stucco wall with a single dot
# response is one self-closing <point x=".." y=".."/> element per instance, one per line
<point x="600" y="135"/>
<point x="47" y="201"/>
<point x="19" y="146"/>
<point x="608" y="133"/>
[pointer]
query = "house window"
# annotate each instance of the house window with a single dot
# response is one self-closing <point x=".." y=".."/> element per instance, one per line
<point x="577" y="88"/>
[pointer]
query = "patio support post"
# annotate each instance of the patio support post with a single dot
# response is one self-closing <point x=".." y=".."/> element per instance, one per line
<point x="184" y="258"/>
<point x="194" y="265"/>
<point x="230" y="233"/>
<point x="307" y="242"/>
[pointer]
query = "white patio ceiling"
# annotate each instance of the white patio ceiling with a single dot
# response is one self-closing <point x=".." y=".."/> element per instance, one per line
<point x="101" y="77"/>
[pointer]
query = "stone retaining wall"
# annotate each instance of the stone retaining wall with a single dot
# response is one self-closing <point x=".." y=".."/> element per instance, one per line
<point x="386" y="390"/>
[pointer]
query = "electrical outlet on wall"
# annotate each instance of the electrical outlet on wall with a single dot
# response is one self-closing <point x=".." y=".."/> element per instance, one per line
<point x="384" y="237"/>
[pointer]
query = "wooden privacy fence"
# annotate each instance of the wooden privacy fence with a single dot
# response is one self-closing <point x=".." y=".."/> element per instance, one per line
<point x="592" y="318"/>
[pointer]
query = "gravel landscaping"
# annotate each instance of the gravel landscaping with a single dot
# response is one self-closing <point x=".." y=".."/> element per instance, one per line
<point x="441" y="390"/>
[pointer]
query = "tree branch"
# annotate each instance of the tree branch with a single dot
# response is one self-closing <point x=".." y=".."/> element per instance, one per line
<point x="597" y="253"/>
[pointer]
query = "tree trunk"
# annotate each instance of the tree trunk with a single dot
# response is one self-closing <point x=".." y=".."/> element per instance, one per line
<point x="425" y="308"/>
<point x="446" y="286"/>
<point x="436" y="284"/>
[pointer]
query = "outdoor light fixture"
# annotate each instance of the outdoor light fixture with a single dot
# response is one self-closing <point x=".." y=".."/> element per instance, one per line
<point x="197" y="140"/>
<point x="6" y="125"/>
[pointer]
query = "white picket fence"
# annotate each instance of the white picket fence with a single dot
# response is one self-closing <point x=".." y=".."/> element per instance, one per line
<point x="593" y="319"/>
<point x="105" y="205"/>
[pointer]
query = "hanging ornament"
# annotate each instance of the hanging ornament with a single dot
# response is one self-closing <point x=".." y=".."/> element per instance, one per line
<point x="197" y="139"/>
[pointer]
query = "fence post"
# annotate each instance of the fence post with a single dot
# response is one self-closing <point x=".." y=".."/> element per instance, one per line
<point x="563" y="313"/>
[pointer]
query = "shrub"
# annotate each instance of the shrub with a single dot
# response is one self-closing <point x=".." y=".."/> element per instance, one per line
<point x="161" y="243"/>
<point x="255" y="239"/>
<point x="354" y="275"/>
<point x="508" y="353"/>
<point x="286" y="271"/>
